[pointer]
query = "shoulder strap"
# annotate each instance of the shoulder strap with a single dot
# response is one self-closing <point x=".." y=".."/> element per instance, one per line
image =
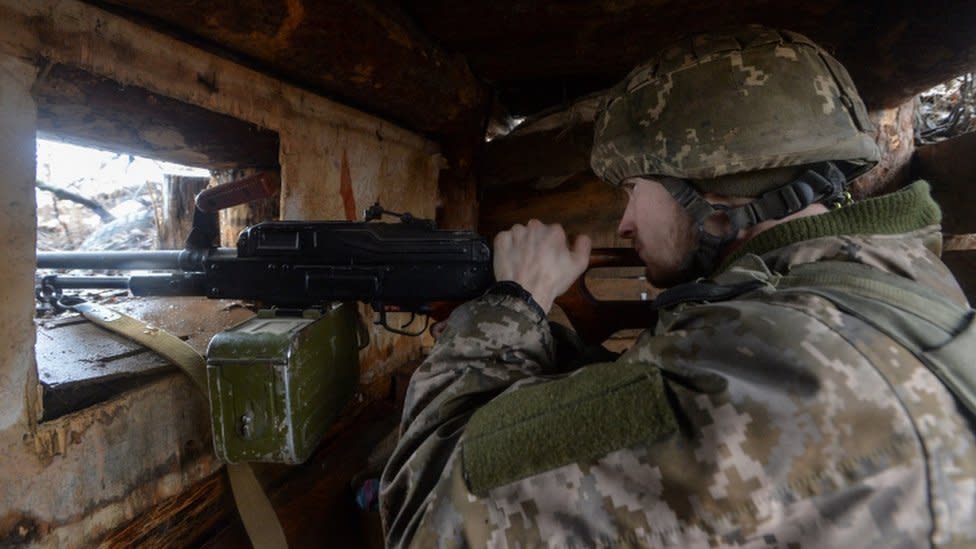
<point x="703" y="291"/>
<point x="260" y="520"/>
<point x="940" y="333"/>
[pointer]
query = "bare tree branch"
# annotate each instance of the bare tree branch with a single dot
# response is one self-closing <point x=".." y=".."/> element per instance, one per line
<point x="74" y="197"/>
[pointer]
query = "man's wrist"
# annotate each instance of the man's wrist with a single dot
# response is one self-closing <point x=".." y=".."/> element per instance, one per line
<point x="510" y="288"/>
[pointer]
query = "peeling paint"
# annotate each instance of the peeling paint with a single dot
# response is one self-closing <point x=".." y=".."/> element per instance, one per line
<point x="53" y="438"/>
<point x="97" y="468"/>
<point x="345" y="190"/>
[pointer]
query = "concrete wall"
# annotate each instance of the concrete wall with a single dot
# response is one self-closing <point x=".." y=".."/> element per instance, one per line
<point x="17" y="227"/>
<point x="67" y="482"/>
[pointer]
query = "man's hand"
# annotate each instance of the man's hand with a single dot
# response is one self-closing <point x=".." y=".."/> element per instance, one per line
<point x="539" y="258"/>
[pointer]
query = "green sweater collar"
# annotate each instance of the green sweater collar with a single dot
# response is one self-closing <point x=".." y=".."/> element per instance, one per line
<point x="903" y="211"/>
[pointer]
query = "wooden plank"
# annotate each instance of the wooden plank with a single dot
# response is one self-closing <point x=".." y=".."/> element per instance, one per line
<point x="950" y="166"/>
<point x="79" y="107"/>
<point x="963" y="266"/>
<point x="583" y="205"/>
<point x="958" y="242"/>
<point x="554" y="153"/>
<point x="627" y="284"/>
<point x="318" y="502"/>
<point x="79" y="364"/>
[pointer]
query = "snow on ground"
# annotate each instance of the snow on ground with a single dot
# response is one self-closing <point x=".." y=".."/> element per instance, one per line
<point x="124" y="184"/>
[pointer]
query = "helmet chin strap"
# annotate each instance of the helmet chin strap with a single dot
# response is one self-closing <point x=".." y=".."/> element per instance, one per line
<point x="823" y="183"/>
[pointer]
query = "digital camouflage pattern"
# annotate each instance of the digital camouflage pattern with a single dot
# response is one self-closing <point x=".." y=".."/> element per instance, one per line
<point x="824" y="432"/>
<point x="728" y="103"/>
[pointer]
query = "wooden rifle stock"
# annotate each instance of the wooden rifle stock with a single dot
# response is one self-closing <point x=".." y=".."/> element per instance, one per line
<point x="595" y="320"/>
<point x="260" y="185"/>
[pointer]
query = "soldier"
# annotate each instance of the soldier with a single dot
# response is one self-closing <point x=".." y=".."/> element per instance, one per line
<point x="814" y="389"/>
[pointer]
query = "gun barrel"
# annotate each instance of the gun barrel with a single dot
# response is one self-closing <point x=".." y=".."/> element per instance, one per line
<point x="162" y="260"/>
<point x="88" y="282"/>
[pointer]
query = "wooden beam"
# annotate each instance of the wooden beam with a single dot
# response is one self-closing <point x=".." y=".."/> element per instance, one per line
<point x="457" y="184"/>
<point x="895" y="135"/>
<point x="545" y="149"/>
<point x="554" y="51"/>
<point x="79" y="107"/>
<point x="365" y="53"/>
<point x="950" y="166"/>
<point x="174" y="217"/>
<point x="551" y="153"/>
<point x="583" y="205"/>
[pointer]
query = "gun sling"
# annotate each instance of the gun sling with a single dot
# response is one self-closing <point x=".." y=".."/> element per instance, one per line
<point x="257" y="514"/>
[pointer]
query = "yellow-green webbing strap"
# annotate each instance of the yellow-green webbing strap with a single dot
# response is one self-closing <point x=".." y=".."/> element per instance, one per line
<point x="257" y="514"/>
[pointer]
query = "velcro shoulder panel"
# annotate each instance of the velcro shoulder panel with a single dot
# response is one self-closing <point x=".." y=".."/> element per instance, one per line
<point x="598" y="409"/>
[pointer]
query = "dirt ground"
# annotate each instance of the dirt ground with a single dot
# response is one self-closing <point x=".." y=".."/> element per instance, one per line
<point x="947" y="110"/>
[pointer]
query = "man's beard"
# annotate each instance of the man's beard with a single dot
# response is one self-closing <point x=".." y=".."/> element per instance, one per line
<point x="690" y="269"/>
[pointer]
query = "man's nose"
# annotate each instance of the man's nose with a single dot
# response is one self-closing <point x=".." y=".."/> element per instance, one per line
<point x="625" y="229"/>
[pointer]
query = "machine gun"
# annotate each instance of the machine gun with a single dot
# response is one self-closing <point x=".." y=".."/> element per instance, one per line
<point x="404" y="266"/>
<point x="278" y="380"/>
<point x="407" y="266"/>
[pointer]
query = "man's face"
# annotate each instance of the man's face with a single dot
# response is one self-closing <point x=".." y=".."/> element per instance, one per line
<point x="661" y="230"/>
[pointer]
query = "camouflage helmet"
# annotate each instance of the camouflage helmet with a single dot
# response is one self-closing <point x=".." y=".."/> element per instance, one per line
<point x="717" y="106"/>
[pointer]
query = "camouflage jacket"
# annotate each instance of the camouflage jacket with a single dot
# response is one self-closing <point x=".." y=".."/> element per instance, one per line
<point x="758" y="420"/>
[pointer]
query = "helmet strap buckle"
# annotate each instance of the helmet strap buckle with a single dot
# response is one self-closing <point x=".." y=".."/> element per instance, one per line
<point x="824" y="183"/>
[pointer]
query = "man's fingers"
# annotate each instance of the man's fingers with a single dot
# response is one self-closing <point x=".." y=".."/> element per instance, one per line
<point x="558" y="234"/>
<point x="582" y="248"/>
<point x="518" y="232"/>
<point x="503" y="240"/>
<point x="539" y="257"/>
<point x="580" y="252"/>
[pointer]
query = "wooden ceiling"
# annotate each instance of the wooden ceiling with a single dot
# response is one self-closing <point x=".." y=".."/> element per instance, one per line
<point x="435" y="66"/>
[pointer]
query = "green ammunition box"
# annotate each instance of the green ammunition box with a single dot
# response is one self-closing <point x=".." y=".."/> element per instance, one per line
<point x="277" y="382"/>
